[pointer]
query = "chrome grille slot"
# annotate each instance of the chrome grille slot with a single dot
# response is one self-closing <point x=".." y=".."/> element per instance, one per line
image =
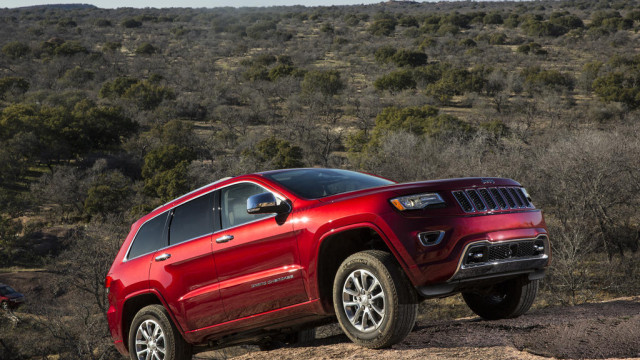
<point x="524" y="198"/>
<point x="486" y="196"/>
<point x="465" y="204"/>
<point x="515" y="196"/>
<point x="501" y="201"/>
<point x="473" y="195"/>
<point x="505" y="194"/>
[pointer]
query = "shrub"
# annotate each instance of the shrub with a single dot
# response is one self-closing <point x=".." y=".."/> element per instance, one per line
<point x="395" y="81"/>
<point x="278" y="153"/>
<point x="69" y="48"/>
<point x="383" y="27"/>
<point x="492" y="19"/>
<point x="165" y="171"/>
<point x="536" y="79"/>
<point x="384" y="54"/>
<point x="409" y="58"/>
<point x="498" y="39"/>
<point x="15" y="49"/>
<point x="131" y="23"/>
<point x="13" y="84"/>
<point x="146" y="49"/>
<point x="327" y="82"/>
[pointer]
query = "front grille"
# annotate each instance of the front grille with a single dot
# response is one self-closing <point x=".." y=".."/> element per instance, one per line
<point x="492" y="199"/>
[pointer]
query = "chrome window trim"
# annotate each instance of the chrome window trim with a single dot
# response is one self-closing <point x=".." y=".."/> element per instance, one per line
<point x="276" y="194"/>
<point x="126" y="256"/>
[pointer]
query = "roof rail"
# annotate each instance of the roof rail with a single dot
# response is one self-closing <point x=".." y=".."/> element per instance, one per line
<point x="193" y="191"/>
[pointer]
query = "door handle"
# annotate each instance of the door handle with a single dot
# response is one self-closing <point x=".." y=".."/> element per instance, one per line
<point x="224" y="239"/>
<point x="163" y="257"/>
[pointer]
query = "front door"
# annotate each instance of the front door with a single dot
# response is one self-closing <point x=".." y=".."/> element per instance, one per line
<point x="256" y="256"/>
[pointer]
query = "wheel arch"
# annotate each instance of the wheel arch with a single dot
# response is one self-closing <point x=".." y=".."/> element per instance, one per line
<point x="132" y="305"/>
<point x="335" y="246"/>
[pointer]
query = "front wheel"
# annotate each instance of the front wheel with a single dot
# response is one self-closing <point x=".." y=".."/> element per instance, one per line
<point x="4" y="306"/>
<point x="153" y="336"/>
<point x="509" y="299"/>
<point x="375" y="303"/>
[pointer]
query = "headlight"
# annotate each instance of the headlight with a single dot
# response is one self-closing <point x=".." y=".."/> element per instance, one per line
<point x="418" y="201"/>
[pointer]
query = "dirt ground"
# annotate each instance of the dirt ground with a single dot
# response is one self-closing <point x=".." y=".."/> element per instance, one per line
<point x="591" y="331"/>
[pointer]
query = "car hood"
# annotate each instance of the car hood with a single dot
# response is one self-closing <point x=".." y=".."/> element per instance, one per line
<point x="420" y="186"/>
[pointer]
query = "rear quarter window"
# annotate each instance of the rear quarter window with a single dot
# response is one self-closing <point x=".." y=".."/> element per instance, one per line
<point x="149" y="238"/>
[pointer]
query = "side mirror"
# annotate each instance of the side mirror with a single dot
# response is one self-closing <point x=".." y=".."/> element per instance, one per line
<point x="266" y="203"/>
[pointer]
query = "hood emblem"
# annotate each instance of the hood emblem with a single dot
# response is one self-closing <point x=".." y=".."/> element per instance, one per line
<point x="487" y="181"/>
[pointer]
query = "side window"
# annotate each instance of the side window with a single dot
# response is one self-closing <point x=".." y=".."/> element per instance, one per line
<point x="192" y="219"/>
<point x="233" y="202"/>
<point x="149" y="238"/>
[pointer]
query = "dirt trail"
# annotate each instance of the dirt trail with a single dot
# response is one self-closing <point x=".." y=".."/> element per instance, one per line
<point x="593" y="331"/>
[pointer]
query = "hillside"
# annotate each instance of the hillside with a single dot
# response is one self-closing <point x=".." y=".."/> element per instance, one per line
<point x="105" y="114"/>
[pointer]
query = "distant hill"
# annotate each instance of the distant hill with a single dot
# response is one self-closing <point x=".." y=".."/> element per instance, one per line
<point x="61" y="6"/>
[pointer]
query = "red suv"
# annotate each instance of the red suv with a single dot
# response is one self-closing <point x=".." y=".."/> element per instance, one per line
<point x="265" y="257"/>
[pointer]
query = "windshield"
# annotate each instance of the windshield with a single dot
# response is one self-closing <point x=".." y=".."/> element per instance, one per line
<point x="6" y="290"/>
<point x="319" y="183"/>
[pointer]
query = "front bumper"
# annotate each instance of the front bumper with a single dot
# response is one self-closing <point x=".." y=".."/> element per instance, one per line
<point x="498" y="262"/>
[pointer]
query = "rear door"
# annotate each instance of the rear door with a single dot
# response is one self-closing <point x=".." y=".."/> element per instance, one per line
<point x="184" y="272"/>
<point x="256" y="256"/>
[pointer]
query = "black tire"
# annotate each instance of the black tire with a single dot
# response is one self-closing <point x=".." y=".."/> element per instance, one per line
<point x="4" y="306"/>
<point x="507" y="300"/>
<point x="391" y="307"/>
<point x="146" y="320"/>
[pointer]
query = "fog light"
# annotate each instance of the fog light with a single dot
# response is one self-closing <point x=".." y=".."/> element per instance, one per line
<point x="477" y="255"/>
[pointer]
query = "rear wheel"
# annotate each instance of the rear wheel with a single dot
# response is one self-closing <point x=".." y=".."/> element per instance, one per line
<point x="509" y="299"/>
<point x="153" y="336"/>
<point x="4" y="306"/>
<point x="375" y="304"/>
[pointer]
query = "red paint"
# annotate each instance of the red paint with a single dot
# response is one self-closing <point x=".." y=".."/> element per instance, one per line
<point x="266" y="277"/>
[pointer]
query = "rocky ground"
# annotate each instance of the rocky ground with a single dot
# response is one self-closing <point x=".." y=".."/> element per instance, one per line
<point x="590" y="331"/>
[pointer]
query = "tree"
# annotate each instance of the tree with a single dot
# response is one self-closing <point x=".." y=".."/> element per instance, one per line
<point x="395" y="81"/>
<point x="13" y="84"/>
<point x="16" y="49"/>
<point x="409" y="58"/>
<point x="278" y="153"/>
<point x="383" y="27"/>
<point x="165" y="171"/>
<point x="326" y="82"/>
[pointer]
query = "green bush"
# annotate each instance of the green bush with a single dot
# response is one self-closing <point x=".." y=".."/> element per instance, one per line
<point x="15" y="49"/>
<point x="13" y="84"/>
<point x="146" y="49"/>
<point x="493" y="18"/>
<point x="395" y="81"/>
<point x="278" y="153"/>
<point x="424" y="120"/>
<point x="131" y="23"/>
<point x="536" y="79"/>
<point x="326" y="82"/>
<point x="384" y="54"/>
<point x="409" y="58"/>
<point x="619" y="87"/>
<point x="165" y="171"/>
<point x="383" y="27"/>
